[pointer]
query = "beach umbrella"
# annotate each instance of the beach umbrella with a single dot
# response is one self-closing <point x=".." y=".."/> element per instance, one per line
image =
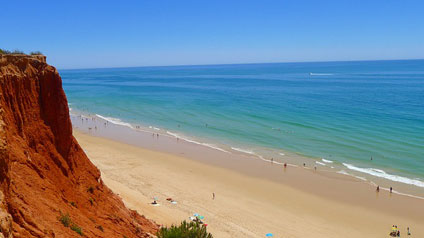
<point x="201" y="217"/>
<point x="196" y="215"/>
<point x="269" y="235"/>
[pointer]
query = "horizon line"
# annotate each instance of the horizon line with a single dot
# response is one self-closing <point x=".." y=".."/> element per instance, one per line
<point x="253" y="63"/>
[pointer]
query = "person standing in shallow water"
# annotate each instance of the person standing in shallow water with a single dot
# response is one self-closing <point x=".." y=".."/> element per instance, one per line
<point x="391" y="189"/>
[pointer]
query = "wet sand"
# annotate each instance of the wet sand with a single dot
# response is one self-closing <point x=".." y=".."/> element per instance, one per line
<point x="252" y="197"/>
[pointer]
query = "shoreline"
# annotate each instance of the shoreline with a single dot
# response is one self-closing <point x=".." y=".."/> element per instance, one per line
<point x="297" y="202"/>
<point x="141" y="136"/>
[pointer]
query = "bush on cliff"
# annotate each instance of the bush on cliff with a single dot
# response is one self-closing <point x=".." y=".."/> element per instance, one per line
<point x="185" y="230"/>
<point x="5" y="52"/>
<point x="66" y="220"/>
<point x="35" y="53"/>
<point x="18" y="52"/>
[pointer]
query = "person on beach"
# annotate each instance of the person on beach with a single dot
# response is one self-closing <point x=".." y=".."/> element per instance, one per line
<point x="285" y="165"/>
<point x="378" y="189"/>
<point x="304" y="164"/>
<point x="272" y="160"/>
<point x="391" y="189"/>
<point x="315" y="168"/>
<point x="393" y="233"/>
<point x="407" y="231"/>
<point x="213" y="196"/>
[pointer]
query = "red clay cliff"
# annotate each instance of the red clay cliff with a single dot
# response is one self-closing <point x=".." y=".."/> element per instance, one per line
<point x="44" y="173"/>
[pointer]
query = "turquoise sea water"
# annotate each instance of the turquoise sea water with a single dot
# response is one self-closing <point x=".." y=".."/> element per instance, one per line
<point x="346" y="112"/>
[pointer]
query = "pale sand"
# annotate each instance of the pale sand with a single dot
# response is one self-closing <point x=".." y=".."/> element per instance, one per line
<point x="249" y="206"/>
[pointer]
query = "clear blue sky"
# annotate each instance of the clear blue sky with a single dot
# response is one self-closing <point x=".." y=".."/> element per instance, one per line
<point x="86" y="34"/>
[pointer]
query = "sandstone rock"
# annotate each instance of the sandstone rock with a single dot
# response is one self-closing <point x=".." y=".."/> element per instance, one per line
<point x="43" y="170"/>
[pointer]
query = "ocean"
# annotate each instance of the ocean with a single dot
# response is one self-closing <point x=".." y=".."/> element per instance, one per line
<point x="361" y="117"/>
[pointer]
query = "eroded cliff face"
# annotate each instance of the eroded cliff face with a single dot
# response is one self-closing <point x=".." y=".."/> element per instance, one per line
<point x="44" y="173"/>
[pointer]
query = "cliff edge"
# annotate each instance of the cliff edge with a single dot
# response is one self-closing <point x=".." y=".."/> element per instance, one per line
<point x="48" y="186"/>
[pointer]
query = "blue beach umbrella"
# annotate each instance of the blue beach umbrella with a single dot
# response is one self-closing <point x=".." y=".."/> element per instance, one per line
<point x="269" y="235"/>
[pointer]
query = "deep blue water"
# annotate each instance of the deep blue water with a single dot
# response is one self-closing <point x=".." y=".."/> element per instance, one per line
<point x="349" y="110"/>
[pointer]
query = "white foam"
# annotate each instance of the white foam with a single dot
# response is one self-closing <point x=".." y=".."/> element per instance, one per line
<point x="282" y="154"/>
<point x="320" y="163"/>
<point x="215" y="147"/>
<point x="243" y="151"/>
<point x="327" y="161"/>
<point x="260" y="156"/>
<point x="183" y="138"/>
<point x="343" y="172"/>
<point x="115" y="121"/>
<point x="154" y="128"/>
<point x="408" y="195"/>
<point x="382" y="174"/>
<point x="212" y="146"/>
<point x="360" y="178"/>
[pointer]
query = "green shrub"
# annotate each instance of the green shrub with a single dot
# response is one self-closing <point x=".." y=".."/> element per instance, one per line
<point x="3" y="51"/>
<point x="65" y="219"/>
<point x="35" y="53"/>
<point x="76" y="228"/>
<point x="18" y="52"/>
<point x="185" y="230"/>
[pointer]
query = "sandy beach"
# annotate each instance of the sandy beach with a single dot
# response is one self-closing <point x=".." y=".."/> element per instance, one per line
<point x="294" y="202"/>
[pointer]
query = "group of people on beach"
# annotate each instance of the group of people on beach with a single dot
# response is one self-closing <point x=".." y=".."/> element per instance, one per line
<point x="378" y="189"/>
<point x="396" y="233"/>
